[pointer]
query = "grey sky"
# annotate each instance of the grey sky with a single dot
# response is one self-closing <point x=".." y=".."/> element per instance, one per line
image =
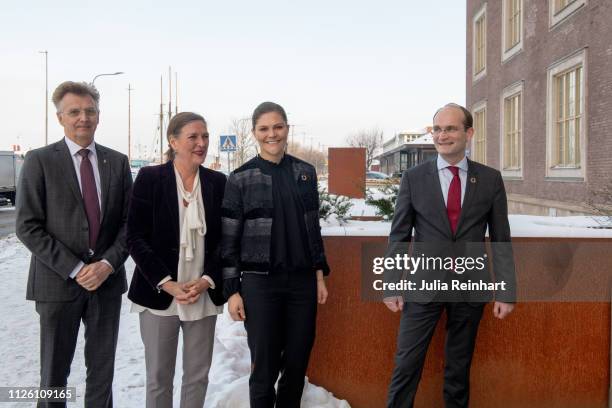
<point x="336" y="66"/>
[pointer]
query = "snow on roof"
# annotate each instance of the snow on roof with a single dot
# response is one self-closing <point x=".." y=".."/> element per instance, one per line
<point x="424" y="139"/>
<point x="420" y="131"/>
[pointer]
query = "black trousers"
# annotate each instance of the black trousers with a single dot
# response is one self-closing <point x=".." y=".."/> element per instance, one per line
<point x="417" y="326"/>
<point x="280" y="321"/>
<point x="59" y="329"/>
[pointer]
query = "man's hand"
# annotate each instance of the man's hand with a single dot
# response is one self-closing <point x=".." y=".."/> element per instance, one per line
<point x="321" y="288"/>
<point x="235" y="305"/>
<point x="501" y="309"/>
<point x="93" y="275"/>
<point x="394" y="303"/>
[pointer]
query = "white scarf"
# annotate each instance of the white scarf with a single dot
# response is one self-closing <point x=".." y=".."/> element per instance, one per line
<point x="194" y="220"/>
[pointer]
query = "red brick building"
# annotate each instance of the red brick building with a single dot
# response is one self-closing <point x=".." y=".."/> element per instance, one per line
<point x="539" y="83"/>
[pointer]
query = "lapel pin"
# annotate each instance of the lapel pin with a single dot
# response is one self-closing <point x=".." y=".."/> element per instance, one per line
<point x="304" y="177"/>
<point x="473" y="180"/>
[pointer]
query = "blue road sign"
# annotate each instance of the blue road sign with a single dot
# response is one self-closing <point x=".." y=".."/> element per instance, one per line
<point x="227" y="143"/>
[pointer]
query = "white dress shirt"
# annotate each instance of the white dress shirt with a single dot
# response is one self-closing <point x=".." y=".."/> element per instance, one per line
<point x="76" y="161"/>
<point x="446" y="176"/>
<point x="93" y="158"/>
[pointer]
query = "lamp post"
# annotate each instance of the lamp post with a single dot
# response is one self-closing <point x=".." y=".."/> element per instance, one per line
<point x="99" y="75"/>
<point x="46" y="97"/>
<point x="130" y="89"/>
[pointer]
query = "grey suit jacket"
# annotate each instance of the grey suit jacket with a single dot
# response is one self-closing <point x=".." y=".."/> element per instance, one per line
<point x="52" y="224"/>
<point x="420" y="208"/>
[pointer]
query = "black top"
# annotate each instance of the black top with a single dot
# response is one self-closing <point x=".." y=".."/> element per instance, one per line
<point x="289" y="251"/>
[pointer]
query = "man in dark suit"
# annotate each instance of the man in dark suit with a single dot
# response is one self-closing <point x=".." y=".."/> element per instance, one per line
<point x="71" y="214"/>
<point x="448" y="202"/>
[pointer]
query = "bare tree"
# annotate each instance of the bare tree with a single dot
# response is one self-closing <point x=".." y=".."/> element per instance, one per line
<point x="599" y="202"/>
<point x="371" y="139"/>
<point x="245" y="143"/>
<point x="315" y="157"/>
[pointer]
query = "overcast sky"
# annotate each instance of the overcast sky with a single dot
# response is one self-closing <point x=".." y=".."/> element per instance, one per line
<point x="336" y="66"/>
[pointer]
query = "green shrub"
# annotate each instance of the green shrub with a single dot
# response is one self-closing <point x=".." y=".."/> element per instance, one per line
<point x="331" y="204"/>
<point x="385" y="206"/>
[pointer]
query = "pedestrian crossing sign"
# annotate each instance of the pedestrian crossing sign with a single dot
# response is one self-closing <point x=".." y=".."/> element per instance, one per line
<point x="227" y="143"/>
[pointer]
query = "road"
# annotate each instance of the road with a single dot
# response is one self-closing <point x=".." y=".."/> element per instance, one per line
<point x="7" y="221"/>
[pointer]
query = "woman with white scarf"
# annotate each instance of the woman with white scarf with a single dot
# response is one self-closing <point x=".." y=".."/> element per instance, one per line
<point x="173" y="235"/>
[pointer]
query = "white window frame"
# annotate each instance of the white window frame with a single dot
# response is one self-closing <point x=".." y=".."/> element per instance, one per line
<point x="508" y="53"/>
<point x="511" y="90"/>
<point x="556" y="18"/>
<point x="574" y="60"/>
<point x="477" y="107"/>
<point x="482" y="12"/>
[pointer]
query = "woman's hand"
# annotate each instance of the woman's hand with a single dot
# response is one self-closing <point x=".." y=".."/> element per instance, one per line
<point x="321" y="288"/>
<point x="195" y="287"/>
<point x="235" y="305"/>
<point x="177" y="290"/>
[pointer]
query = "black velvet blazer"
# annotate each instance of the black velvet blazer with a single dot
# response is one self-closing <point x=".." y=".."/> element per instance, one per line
<point x="153" y="233"/>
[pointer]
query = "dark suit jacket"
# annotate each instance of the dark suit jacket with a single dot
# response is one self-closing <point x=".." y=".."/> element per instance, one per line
<point x="52" y="223"/>
<point x="420" y="207"/>
<point x="153" y="233"/>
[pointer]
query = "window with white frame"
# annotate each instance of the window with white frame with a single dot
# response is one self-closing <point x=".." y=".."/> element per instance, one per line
<point x="566" y="127"/>
<point x="512" y="28"/>
<point x="479" y="140"/>
<point x="479" y="48"/>
<point x="512" y="130"/>
<point x="561" y="9"/>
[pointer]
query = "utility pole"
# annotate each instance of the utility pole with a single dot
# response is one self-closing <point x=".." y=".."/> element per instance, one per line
<point x="169" y="93"/>
<point x="161" y="120"/>
<point x="46" y="96"/>
<point x="130" y="89"/>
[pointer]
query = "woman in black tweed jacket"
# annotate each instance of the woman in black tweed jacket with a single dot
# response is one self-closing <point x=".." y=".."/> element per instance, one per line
<point x="273" y="260"/>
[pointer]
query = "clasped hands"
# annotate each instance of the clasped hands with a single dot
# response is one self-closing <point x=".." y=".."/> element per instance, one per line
<point x="186" y="293"/>
<point x="92" y="275"/>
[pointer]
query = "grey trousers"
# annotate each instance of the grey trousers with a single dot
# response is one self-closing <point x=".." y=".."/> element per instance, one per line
<point x="160" y="337"/>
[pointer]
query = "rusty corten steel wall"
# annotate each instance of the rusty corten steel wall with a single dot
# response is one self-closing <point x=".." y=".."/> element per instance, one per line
<point x="347" y="171"/>
<point x="544" y="355"/>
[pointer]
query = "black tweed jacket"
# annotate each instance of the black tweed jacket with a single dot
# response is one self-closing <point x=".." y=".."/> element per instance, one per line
<point x="247" y="213"/>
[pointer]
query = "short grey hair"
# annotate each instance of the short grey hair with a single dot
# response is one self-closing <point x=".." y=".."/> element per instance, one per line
<point x="77" y="88"/>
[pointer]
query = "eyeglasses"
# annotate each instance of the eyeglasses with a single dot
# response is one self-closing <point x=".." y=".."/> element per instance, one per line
<point x="448" y="130"/>
<point x="75" y="113"/>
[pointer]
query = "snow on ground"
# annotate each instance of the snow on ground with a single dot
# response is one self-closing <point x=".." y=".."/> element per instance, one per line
<point x="19" y="344"/>
<point x="520" y="225"/>
<point x="19" y="349"/>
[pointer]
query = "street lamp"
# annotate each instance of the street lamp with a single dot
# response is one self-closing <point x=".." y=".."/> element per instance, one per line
<point x="99" y="75"/>
<point x="46" y="97"/>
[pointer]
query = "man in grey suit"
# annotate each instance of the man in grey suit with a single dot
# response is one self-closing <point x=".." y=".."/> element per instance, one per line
<point x="449" y="203"/>
<point x="71" y="214"/>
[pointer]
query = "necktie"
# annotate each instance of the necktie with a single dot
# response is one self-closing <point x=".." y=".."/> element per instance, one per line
<point x="90" y="197"/>
<point x="453" y="202"/>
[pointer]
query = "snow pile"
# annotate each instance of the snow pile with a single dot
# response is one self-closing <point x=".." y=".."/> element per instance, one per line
<point x="231" y="365"/>
<point x="19" y="348"/>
